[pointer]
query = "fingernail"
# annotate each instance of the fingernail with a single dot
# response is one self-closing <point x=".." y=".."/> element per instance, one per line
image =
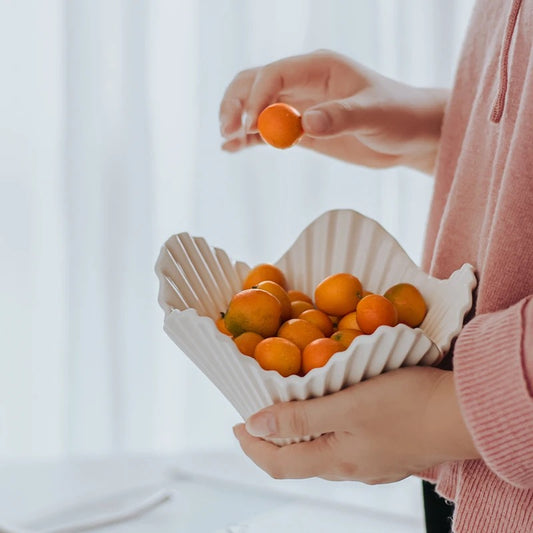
<point x="235" y="429"/>
<point x="228" y="130"/>
<point x="316" y="121"/>
<point x="232" y="146"/>
<point x="248" y="124"/>
<point x="261" y="425"/>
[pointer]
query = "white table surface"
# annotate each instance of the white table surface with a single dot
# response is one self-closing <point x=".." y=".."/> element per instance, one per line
<point x="212" y="492"/>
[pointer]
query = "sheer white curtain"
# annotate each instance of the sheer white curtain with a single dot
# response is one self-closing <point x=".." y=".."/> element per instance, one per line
<point x="109" y="143"/>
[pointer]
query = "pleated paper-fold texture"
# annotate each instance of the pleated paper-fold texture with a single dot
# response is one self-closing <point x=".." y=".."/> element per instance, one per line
<point x="197" y="282"/>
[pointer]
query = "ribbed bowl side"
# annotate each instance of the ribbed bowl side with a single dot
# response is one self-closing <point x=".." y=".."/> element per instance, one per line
<point x="346" y="241"/>
<point x="194" y="275"/>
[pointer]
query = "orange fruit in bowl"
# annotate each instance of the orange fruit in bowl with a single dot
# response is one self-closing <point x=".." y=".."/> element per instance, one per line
<point x="300" y="332"/>
<point x="338" y="294"/>
<point x="253" y="310"/>
<point x="280" y="125"/>
<point x="349" y="321"/>
<point x="318" y="352"/>
<point x="346" y="336"/>
<point x="375" y="310"/>
<point x="295" y="295"/>
<point x="281" y="294"/>
<point x="221" y="325"/>
<point x="264" y="272"/>
<point x="334" y="321"/>
<point x="276" y="353"/>
<point x="409" y="303"/>
<point x="247" y="341"/>
<point x="319" y="319"/>
<point x="298" y="307"/>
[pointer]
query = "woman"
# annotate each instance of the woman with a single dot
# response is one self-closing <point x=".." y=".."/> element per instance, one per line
<point x="468" y="427"/>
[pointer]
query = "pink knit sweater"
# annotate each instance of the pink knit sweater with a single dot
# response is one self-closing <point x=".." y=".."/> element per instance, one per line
<point x="482" y="213"/>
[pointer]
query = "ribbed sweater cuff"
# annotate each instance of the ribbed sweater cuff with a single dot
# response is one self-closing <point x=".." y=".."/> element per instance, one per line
<point x="431" y="474"/>
<point x="494" y="395"/>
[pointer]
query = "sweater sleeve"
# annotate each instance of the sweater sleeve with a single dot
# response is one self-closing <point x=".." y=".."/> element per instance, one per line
<point x="492" y="369"/>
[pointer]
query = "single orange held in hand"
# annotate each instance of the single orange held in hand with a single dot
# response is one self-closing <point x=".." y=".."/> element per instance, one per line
<point x="409" y="303"/>
<point x="318" y="352"/>
<point x="374" y="311"/>
<point x="253" y="310"/>
<point x="247" y="341"/>
<point x="264" y="272"/>
<point x="278" y="354"/>
<point x="299" y="331"/>
<point x="281" y="294"/>
<point x="280" y="125"/>
<point x="346" y="336"/>
<point x="319" y="319"/>
<point x="338" y="294"/>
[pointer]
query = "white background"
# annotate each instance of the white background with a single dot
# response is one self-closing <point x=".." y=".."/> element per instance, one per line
<point x="109" y="143"/>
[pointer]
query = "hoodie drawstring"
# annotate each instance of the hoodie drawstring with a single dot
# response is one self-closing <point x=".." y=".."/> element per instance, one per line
<point x="499" y="104"/>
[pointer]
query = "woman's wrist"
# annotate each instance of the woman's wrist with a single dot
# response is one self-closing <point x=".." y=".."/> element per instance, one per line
<point x="448" y="435"/>
<point x="423" y="162"/>
<point x="428" y="114"/>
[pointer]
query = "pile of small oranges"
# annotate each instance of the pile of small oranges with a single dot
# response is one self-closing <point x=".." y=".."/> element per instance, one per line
<point x="291" y="332"/>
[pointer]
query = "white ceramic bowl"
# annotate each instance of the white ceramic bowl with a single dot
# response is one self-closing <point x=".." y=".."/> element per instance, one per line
<point x="197" y="281"/>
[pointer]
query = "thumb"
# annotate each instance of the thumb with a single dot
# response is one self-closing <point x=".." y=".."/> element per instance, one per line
<point x="336" y="117"/>
<point x="303" y="418"/>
